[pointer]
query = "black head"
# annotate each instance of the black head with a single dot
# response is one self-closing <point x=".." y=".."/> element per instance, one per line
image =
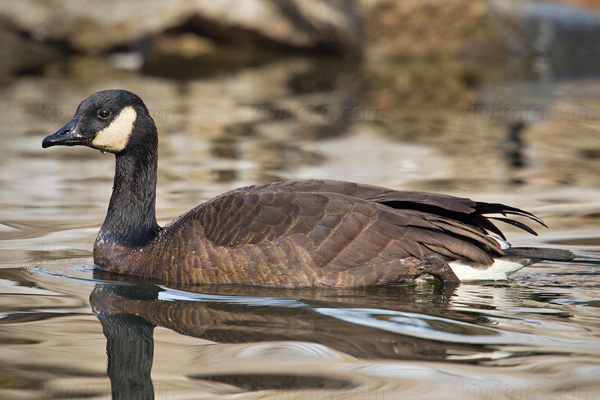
<point x="110" y="121"/>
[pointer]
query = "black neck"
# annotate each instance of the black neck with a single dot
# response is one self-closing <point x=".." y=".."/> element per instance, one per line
<point x="131" y="217"/>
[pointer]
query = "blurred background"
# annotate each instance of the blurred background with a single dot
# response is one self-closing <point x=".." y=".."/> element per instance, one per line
<point x="496" y="100"/>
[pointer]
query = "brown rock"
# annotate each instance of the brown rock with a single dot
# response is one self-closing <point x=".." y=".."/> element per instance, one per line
<point x="101" y="25"/>
<point x="428" y="29"/>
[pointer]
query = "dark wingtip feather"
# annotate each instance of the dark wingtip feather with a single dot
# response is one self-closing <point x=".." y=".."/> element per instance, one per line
<point x="506" y="211"/>
<point x="518" y="224"/>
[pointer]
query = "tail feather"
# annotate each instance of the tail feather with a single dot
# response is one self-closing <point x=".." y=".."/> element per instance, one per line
<point x="539" y="253"/>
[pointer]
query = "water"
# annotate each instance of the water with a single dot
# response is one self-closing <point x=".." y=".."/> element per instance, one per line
<point x="530" y="141"/>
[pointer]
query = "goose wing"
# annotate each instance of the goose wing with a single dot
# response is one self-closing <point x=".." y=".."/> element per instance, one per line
<point x="350" y="224"/>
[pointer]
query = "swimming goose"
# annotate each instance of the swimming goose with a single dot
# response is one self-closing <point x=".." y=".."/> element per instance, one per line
<point x="293" y="234"/>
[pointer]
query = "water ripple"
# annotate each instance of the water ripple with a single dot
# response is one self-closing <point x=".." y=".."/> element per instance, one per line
<point x="447" y="330"/>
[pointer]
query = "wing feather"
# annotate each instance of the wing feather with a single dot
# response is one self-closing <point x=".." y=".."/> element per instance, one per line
<point x="350" y="225"/>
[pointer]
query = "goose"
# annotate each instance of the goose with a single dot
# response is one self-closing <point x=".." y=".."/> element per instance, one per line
<point x="299" y="233"/>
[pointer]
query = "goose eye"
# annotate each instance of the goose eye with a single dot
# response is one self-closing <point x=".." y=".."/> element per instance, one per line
<point x="103" y="113"/>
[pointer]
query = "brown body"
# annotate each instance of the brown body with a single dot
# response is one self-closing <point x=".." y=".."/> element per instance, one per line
<point x="306" y="233"/>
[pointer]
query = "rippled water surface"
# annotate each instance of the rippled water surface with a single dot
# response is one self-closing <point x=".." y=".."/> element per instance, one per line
<point x="530" y="141"/>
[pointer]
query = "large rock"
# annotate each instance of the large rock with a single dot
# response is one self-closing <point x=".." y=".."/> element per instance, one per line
<point x="481" y="29"/>
<point x="100" y="25"/>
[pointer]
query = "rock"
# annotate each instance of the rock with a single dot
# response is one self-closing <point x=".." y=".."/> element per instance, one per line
<point x="426" y="29"/>
<point x="479" y="29"/>
<point x="20" y="55"/>
<point x="101" y="25"/>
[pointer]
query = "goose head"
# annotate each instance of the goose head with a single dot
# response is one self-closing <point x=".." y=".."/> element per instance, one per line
<point x="112" y="121"/>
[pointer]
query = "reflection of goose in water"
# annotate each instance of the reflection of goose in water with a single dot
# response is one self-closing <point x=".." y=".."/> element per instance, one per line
<point x="411" y="322"/>
<point x="243" y="319"/>
<point x="290" y="234"/>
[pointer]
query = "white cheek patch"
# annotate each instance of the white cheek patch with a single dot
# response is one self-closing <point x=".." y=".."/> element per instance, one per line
<point x="116" y="136"/>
